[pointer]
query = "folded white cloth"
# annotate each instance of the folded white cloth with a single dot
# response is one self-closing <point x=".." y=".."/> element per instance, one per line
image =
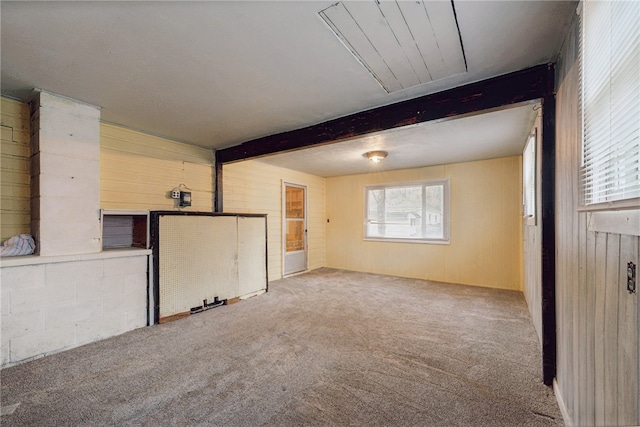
<point x="22" y="244"/>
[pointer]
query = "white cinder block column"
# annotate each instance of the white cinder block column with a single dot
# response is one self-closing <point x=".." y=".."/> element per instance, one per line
<point x="65" y="176"/>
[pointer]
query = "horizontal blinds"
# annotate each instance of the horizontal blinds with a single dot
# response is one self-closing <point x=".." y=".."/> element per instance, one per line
<point x="610" y="101"/>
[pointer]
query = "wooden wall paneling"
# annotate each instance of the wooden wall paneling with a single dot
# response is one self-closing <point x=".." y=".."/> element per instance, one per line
<point x="567" y="267"/>
<point x="611" y="329"/>
<point x="218" y="198"/>
<point x="138" y="170"/>
<point x="531" y="249"/>
<point x="481" y="243"/>
<point x="589" y="331"/>
<point x="130" y="141"/>
<point x="627" y="336"/>
<point x="569" y="228"/>
<point x="579" y="370"/>
<point x="15" y="177"/>
<point x="599" y="323"/>
<point x="255" y="187"/>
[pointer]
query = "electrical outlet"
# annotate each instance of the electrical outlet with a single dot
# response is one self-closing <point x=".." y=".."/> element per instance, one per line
<point x="631" y="277"/>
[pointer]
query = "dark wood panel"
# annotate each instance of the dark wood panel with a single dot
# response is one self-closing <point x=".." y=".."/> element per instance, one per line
<point x="548" y="235"/>
<point x="525" y="85"/>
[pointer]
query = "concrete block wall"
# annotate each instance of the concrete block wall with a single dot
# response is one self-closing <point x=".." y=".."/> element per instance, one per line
<point x="65" y="176"/>
<point x="57" y="304"/>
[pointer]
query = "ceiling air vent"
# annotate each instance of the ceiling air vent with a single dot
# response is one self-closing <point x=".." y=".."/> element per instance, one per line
<point x="401" y="43"/>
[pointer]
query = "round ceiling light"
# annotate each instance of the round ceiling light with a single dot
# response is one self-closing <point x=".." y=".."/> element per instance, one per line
<point x="376" y="156"/>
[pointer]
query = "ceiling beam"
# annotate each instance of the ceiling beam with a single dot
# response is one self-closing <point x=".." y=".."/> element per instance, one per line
<point x="512" y="88"/>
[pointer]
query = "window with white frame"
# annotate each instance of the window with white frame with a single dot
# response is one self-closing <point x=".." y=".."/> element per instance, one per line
<point x="409" y="211"/>
<point x="529" y="179"/>
<point x="610" y="103"/>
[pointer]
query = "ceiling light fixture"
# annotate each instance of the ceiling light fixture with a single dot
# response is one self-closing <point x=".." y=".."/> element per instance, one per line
<point x="376" y="156"/>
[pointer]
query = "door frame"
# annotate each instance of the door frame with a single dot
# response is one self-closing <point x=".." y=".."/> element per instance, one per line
<point x="283" y="240"/>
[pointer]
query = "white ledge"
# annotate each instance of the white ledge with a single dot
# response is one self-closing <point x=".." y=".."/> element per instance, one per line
<point x="36" y="259"/>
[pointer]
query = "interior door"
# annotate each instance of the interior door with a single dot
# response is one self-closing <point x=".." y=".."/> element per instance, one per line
<point x="295" y="228"/>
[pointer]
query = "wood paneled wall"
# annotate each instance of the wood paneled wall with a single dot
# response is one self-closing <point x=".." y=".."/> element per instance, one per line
<point x="255" y="187"/>
<point x="137" y="171"/>
<point x="532" y="246"/>
<point x="486" y="226"/>
<point x="597" y="319"/>
<point x="15" y="152"/>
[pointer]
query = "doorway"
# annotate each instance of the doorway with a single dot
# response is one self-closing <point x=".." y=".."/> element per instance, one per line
<point x="294" y="227"/>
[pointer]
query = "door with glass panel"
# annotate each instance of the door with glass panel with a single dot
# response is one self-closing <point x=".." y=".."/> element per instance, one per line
<point x="294" y="228"/>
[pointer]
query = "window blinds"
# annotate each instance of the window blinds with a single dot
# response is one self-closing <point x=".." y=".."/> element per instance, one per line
<point x="610" y="95"/>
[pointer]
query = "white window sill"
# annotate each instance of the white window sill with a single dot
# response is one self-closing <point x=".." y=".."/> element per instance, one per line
<point x="392" y="240"/>
<point x="625" y="222"/>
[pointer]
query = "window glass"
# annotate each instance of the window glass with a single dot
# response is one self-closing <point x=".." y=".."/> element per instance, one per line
<point x="529" y="178"/>
<point x="415" y="211"/>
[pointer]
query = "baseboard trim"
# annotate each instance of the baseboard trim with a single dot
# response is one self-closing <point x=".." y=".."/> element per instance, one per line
<point x="563" y="407"/>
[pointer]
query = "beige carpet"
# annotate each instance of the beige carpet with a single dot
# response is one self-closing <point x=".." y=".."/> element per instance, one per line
<point x="328" y="347"/>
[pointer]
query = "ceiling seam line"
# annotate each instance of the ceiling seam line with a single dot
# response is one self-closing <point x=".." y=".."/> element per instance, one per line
<point x="398" y="41"/>
<point x="376" y="50"/>
<point x="413" y="37"/>
<point x="455" y="17"/>
<point x="435" y="38"/>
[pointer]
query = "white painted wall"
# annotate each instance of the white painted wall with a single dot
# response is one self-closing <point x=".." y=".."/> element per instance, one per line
<point x="65" y="176"/>
<point x="51" y="304"/>
<point x="71" y="294"/>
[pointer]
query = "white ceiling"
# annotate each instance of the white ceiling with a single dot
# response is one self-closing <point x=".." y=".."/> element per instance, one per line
<point x="216" y="74"/>
<point x="489" y="135"/>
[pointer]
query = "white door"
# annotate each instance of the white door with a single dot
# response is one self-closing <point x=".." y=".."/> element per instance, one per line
<point x="294" y="227"/>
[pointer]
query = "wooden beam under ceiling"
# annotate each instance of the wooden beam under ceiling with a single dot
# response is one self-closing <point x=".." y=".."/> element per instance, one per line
<point x="513" y="88"/>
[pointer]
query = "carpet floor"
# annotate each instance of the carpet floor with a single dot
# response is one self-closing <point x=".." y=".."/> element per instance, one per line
<point x="329" y="347"/>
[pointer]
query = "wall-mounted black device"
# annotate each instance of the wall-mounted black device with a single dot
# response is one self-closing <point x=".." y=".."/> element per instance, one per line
<point x="182" y="194"/>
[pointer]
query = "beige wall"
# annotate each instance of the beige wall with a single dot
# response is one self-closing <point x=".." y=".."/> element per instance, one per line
<point x="486" y="228"/>
<point x="15" y="183"/>
<point x="254" y="187"/>
<point x="137" y="171"/>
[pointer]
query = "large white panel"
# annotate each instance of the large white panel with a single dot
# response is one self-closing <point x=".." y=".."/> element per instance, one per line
<point x="347" y="30"/>
<point x="415" y="15"/>
<point x="224" y="257"/>
<point x="403" y="44"/>
<point x="377" y="29"/>
<point x="392" y="12"/>
<point x="197" y="261"/>
<point x="252" y="256"/>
